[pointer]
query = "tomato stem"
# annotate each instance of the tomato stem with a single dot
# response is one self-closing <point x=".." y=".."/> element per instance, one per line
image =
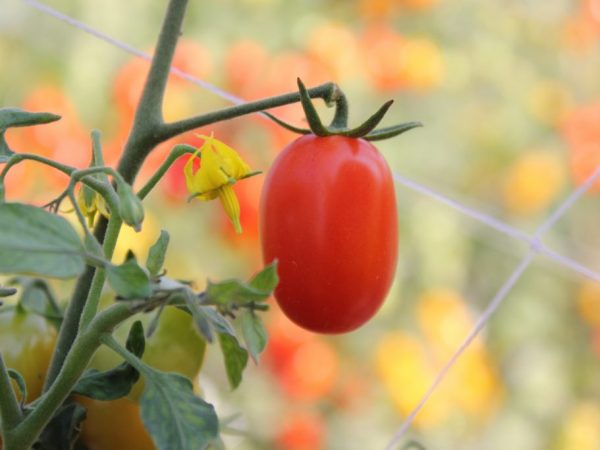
<point x="10" y="412"/>
<point x="327" y="91"/>
<point x="340" y="118"/>
<point x="176" y="152"/>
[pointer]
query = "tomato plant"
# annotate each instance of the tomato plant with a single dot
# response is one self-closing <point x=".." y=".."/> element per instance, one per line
<point x="328" y="215"/>
<point x="26" y="342"/>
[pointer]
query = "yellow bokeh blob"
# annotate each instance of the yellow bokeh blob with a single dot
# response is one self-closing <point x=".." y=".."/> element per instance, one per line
<point x="407" y="365"/>
<point x="533" y="182"/>
<point x="138" y="243"/>
<point x="423" y="64"/>
<point x="588" y="303"/>
<point x="581" y="428"/>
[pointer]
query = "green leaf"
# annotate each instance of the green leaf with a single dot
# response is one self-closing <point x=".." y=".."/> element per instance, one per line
<point x="16" y="117"/>
<point x="136" y="341"/>
<point x="129" y="280"/>
<point x="108" y="385"/>
<point x="200" y="318"/>
<point x="18" y="378"/>
<point x="63" y="430"/>
<point x="175" y="418"/>
<point x="234" y="291"/>
<point x="117" y="382"/>
<point x="38" y="298"/>
<point x="34" y="241"/>
<point x="156" y="255"/>
<point x="235" y="357"/>
<point x="255" y="334"/>
<point x="217" y="321"/>
<point x="266" y="280"/>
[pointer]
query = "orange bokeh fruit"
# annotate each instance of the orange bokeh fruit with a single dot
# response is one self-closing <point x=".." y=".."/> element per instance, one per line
<point x="113" y="425"/>
<point x="301" y="431"/>
<point x="581" y="133"/>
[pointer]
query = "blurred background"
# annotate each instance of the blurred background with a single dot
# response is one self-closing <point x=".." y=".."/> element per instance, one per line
<point x="509" y="93"/>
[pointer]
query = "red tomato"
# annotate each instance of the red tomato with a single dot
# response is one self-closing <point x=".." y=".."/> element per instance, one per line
<point x="301" y="431"/>
<point x="328" y="215"/>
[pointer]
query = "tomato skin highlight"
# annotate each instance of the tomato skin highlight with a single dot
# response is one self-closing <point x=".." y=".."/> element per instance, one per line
<point x="328" y="215"/>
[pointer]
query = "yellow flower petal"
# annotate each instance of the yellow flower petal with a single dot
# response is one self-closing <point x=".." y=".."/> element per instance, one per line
<point x="231" y="205"/>
<point x="188" y="172"/>
<point x="231" y="162"/>
<point x="210" y="176"/>
<point x="220" y="168"/>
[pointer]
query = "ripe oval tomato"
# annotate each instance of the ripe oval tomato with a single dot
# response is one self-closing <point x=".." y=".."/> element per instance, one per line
<point x="328" y="215"/>
<point x="26" y="343"/>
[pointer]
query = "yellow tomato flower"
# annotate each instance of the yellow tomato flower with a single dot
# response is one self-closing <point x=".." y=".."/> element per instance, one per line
<point x="220" y="168"/>
<point x="90" y="203"/>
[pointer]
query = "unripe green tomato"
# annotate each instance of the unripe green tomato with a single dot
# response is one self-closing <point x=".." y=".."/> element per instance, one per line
<point x="26" y="342"/>
<point x="175" y="346"/>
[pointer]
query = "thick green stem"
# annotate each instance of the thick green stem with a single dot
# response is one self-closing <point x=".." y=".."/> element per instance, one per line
<point x="70" y="324"/>
<point x="328" y="91"/>
<point x="10" y="412"/>
<point x="141" y="141"/>
<point x="23" y="436"/>
<point x="148" y="120"/>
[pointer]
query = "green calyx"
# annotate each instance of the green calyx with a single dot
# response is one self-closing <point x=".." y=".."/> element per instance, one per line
<point x="339" y="124"/>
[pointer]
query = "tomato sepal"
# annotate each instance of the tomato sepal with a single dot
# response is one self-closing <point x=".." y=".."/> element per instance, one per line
<point x="370" y="124"/>
<point x="389" y="132"/>
<point x="338" y="126"/>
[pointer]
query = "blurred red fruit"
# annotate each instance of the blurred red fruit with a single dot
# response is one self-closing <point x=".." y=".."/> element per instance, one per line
<point x="301" y="431"/>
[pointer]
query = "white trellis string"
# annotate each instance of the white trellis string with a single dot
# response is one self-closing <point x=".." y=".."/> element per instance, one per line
<point x="536" y="246"/>
<point x="507" y="229"/>
<point x="131" y="50"/>
<point x="481" y="322"/>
